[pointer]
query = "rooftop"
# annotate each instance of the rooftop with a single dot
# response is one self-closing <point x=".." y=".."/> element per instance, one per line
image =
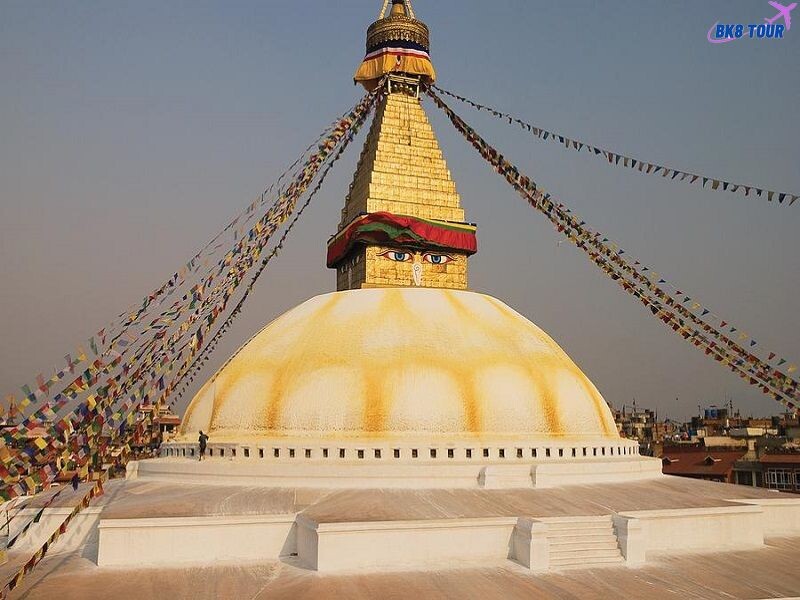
<point x="781" y="458"/>
<point x="769" y="572"/>
<point x="700" y="462"/>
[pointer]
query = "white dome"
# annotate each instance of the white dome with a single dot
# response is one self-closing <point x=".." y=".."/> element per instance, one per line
<point x="397" y="363"/>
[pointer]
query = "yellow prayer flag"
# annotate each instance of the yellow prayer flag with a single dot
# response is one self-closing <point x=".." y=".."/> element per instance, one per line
<point x="40" y="443"/>
<point x="792" y="368"/>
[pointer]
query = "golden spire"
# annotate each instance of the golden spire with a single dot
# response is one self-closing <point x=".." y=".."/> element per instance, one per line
<point x="402" y="224"/>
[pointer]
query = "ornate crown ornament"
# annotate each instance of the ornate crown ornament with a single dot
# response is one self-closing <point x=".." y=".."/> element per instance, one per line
<point x="398" y="26"/>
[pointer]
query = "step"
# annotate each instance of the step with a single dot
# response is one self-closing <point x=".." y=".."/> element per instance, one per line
<point x="585" y="555"/>
<point x="568" y="545"/>
<point x="563" y="532"/>
<point x="593" y="534"/>
<point x="571" y="563"/>
<point x="578" y="526"/>
<point x="568" y="534"/>
<point x="565" y="537"/>
<point x="585" y="519"/>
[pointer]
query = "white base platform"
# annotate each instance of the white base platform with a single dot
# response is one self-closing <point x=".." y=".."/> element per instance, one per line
<point x="151" y="523"/>
<point x="426" y="543"/>
<point x="441" y="474"/>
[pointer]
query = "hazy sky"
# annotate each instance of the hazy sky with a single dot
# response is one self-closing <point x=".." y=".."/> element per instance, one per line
<point x="131" y="132"/>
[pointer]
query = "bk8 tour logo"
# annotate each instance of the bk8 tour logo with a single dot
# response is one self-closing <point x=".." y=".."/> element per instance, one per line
<point x="721" y="33"/>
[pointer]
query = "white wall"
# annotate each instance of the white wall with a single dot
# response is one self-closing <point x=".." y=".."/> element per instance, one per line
<point x="347" y="546"/>
<point x="781" y="515"/>
<point x="156" y="542"/>
<point x="712" y="529"/>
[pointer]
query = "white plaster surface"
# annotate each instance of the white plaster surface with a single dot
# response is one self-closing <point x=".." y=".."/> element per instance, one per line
<point x="530" y="546"/>
<point x="551" y="475"/>
<point x="195" y="540"/>
<point x="768" y="572"/>
<point x="421" y="473"/>
<point x="398" y="544"/>
<point x="82" y="529"/>
<point x="632" y="543"/>
<point x="781" y="515"/>
<point x="153" y="524"/>
<point x="709" y="529"/>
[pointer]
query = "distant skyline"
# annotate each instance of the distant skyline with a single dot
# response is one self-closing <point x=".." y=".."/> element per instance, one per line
<point x="131" y="132"/>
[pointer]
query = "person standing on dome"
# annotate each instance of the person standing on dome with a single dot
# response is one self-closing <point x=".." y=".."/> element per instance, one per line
<point x="203" y="440"/>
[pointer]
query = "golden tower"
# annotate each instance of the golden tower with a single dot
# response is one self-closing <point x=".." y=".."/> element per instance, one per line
<point x="402" y="223"/>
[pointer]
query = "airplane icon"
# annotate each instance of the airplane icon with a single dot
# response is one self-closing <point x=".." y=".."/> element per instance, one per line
<point x="783" y="11"/>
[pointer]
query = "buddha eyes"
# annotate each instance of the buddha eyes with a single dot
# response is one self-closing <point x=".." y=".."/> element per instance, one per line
<point x="437" y="259"/>
<point x="397" y="256"/>
<point x="429" y="257"/>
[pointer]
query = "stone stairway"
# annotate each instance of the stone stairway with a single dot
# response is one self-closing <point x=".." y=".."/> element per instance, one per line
<point x="582" y="543"/>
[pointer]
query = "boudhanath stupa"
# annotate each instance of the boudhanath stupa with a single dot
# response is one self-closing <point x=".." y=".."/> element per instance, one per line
<point x="404" y="436"/>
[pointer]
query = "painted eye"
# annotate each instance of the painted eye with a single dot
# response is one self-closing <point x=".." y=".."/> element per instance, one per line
<point x="397" y="255"/>
<point x="437" y="259"/>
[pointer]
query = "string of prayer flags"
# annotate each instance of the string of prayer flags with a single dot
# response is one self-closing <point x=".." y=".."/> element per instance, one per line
<point x="342" y="134"/>
<point x="143" y="377"/>
<point x="132" y="316"/>
<point x="39" y="555"/>
<point x="634" y="279"/>
<point x="615" y="158"/>
<point x="34" y="519"/>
